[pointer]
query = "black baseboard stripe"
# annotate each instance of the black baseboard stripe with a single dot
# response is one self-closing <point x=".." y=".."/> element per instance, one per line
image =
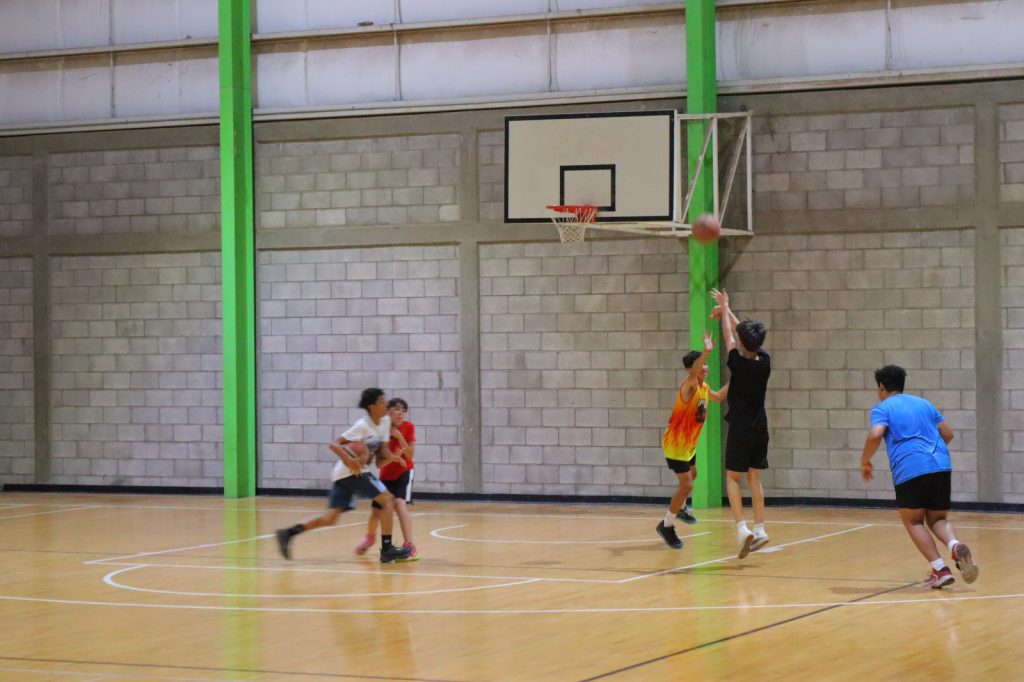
<point x="857" y="503"/>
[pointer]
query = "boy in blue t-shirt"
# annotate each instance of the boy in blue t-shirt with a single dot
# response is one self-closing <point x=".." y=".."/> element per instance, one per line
<point x="916" y="438"/>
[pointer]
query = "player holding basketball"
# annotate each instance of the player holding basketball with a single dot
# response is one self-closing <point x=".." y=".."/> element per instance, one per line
<point x="746" y="448"/>
<point x="355" y="449"/>
<point x="396" y="473"/>
<point x="684" y="427"/>
<point x="916" y="440"/>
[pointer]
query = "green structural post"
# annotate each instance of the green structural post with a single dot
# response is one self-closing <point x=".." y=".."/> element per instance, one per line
<point x="701" y="95"/>
<point x="237" y="249"/>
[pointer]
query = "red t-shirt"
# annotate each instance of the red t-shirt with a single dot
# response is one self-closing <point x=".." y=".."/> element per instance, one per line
<point x="395" y="469"/>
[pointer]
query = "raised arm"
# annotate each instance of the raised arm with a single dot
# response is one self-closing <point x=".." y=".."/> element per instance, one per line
<point x="729" y="320"/>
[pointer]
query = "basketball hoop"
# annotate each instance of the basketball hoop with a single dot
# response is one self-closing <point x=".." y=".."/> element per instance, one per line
<point x="572" y="221"/>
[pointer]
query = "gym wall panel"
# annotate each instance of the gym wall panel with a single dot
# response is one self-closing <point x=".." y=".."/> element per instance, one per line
<point x="813" y="39"/>
<point x="449" y="64"/>
<point x="837" y="307"/>
<point x="15" y="196"/>
<point x="144" y="21"/>
<point x="335" y="321"/>
<point x="166" y="83"/>
<point x="135" y="190"/>
<point x="17" y="394"/>
<point x="619" y="53"/>
<point x="1011" y="152"/>
<point x="580" y="358"/>
<point x="136" y="384"/>
<point x="362" y="71"/>
<point x="1013" y="364"/>
<point x="930" y="35"/>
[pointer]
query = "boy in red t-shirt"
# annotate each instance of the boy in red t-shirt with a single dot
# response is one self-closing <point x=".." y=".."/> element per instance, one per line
<point x="396" y="473"/>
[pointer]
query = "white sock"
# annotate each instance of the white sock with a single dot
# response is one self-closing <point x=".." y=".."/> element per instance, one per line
<point x="669" y="519"/>
<point x="759" y="529"/>
<point x="938" y="564"/>
<point x="741" y="527"/>
<point x="953" y="543"/>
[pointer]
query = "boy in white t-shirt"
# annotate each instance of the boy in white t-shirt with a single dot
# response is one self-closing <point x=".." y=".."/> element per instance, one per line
<point x="355" y="450"/>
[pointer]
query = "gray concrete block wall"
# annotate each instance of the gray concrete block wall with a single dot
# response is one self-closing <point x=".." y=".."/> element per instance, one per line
<point x="136" y="385"/>
<point x="17" y="394"/>
<point x="868" y="160"/>
<point x="15" y="196"/>
<point x="1013" y="364"/>
<point x="581" y="350"/>
<point x="1011" y="152"/>
<point x="491" y="162"/>
<point x="405" y="180"/>
<point x="838" y="307"/>
<point x="137" y="190"/>
<point x="335" y="321"/>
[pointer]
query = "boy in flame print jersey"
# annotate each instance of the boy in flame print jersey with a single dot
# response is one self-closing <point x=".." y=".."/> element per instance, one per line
<point x="684" y="427"/>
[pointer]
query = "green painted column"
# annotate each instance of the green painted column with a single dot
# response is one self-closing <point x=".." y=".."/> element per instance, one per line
<point x="237" y="249"/>
<point x="701" y="95"/>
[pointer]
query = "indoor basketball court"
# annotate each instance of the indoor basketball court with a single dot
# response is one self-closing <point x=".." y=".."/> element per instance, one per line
<point x="518" y="271"/>
<point x="191" y="588"/>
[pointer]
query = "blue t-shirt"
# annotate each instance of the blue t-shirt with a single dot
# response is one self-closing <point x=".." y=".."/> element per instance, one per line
<point x="912" y="436"/>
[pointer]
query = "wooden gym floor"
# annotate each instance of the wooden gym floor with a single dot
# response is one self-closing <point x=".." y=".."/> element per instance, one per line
<point x="114" y="587"/>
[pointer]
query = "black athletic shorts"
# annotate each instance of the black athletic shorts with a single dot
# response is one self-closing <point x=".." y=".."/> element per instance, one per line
<point x="928" y="491"/>
<point x="746" y="448"/>
<point x="400" y="487"/>
<point x="680" y="466"/>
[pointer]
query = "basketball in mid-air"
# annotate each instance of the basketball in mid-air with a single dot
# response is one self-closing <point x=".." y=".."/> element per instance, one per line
<point x="706" y="229"/>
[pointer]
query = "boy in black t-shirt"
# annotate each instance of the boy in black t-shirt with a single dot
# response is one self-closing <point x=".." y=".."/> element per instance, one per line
<point x="746" y="448"/>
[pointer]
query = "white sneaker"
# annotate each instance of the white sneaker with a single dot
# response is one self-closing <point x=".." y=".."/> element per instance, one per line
<point x="759" y="541"/>
<point x="745" y="537"/>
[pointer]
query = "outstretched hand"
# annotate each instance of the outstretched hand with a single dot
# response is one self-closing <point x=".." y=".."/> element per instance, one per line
<point x="709" y="343"/>
<point x="721" y="297"/>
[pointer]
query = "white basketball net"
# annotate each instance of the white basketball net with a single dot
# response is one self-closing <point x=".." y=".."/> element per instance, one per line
<point x="572" y="221"/>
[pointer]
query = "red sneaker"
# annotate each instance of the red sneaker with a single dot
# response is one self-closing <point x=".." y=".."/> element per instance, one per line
<point x="413" y="555"/>
<point x="365" y="544"/>
<point x="964" y="563"/>
<point x="939" y="579"/>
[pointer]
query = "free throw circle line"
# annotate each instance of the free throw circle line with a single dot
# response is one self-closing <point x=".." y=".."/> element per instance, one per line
<point x="438" y="533"/>
<point x="109" y="579"/>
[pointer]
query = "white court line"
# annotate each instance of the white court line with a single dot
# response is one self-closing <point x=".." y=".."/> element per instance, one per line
<point x="58" y="511"/>
<point x="353" y="571"/>
<point x="207" y="545"/>
<point x="932" y="599"/>
<point x="437" y="534"/>
<point x="620" y="517"/>
<point x="109" y="579"/>
<point x="733" y="556"/>
<point x="12" y="506"/>
<point x="102" y="676"/>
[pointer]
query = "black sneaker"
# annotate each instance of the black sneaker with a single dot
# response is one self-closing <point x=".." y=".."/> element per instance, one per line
<point x="284" y="538"/>
<point x="394" y="553"/>
<point x="685" y="516"/>
<point x="668" y="534"/>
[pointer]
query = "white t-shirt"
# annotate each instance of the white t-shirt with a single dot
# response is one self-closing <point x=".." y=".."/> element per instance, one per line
<point x="371" y="435"/>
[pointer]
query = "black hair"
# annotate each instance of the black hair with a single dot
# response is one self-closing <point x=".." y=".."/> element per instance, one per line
<point x="752" y="334"/>
<point x="369" y="397"/>
<point x="398" y="402"/>
<point x="690" y="358"/>
<point x="892" y="378"/>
